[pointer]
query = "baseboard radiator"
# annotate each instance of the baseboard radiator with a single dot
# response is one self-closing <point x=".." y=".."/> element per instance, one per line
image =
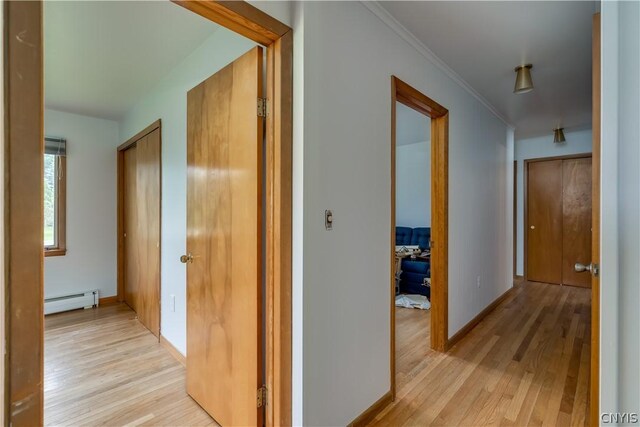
<point x="86" y="299"/>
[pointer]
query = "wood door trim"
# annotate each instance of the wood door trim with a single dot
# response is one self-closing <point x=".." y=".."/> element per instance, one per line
<point x="567" y="157"/>
<point x="412" y="98"/>
<point x="138" y="136"/>
<point x="594" y="410"/>
<point x="120" y="207"/>
<point x="239" y="17"/>
<point x="525" y="195"/>
<point x="23" y="214"/>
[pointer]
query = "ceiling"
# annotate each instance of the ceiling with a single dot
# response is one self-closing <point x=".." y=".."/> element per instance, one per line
<point x="484" y="41"/>
<point x="103" y="56"/>
<point x="411" y="126"/>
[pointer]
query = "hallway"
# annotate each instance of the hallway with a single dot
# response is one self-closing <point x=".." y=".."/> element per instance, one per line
<point x="526" y="363"/>
<point x="102" y="367"/>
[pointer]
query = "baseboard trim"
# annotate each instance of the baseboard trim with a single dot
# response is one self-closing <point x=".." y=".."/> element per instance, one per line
<point x="108" y="300"/>
<point x="473" y="322"/>
<point x="372" y="411"/>
<point x="173" y="351"/>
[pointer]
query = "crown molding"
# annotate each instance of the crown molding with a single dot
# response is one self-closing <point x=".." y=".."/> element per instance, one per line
<point x="386" y="17"/>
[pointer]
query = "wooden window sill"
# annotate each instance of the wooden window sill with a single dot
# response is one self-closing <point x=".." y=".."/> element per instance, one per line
<point x="55" y="252"/>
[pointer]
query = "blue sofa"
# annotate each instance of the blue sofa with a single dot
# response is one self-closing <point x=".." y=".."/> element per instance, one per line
<point x="414" y="271"/>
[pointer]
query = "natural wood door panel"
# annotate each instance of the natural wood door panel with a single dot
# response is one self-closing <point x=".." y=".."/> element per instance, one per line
<point x="576" y="228"/>
<point x="148" y="234"/>
<point x="544" y="221"/>
<point x="131" y="272"/>
<point x="224" y="235"/>
<point x="142" y="229"/>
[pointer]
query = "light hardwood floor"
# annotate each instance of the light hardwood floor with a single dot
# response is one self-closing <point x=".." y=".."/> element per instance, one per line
<point x="525" y="364"/>
<point x="102" y="367"/>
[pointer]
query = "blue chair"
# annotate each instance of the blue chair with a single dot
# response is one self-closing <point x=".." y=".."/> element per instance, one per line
<point x="414" y="271"/>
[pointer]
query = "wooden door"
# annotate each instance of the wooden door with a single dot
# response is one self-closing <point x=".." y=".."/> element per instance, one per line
<point x="131" y="265"/>
<point x="576" y="220"/>
<point x="594" y="393"/>
<point x="544" y="221"/>
<point x="224" y="240"/>
<point x="142" y="229"/>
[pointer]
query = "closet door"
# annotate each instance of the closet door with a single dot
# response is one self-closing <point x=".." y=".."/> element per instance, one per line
<point x="576" y="220"/>
<point x="142" y="229"/>
<point x="544" y="221"/>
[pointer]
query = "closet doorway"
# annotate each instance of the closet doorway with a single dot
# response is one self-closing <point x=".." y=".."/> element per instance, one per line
<point x="558" y="219"/>
<point x="139" y="192"/>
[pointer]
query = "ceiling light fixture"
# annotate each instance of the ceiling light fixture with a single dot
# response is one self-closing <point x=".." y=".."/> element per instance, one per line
<point x="524" y="83"/>
<point x="558" y="135"/>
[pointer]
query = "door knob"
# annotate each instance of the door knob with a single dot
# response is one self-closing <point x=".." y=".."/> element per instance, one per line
<point x="591" y="268"/>
<point x="186" y="258"/>
<point x="533" y="227"/>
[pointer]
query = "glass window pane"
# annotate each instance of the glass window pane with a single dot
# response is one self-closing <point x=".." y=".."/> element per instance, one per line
<point x="49" y="200"/>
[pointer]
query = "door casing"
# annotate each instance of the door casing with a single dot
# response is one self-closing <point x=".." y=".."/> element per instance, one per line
<point x="439" y="117"/>
<point x="23" y="150"/>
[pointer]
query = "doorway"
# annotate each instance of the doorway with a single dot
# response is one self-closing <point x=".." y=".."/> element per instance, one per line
<point x="24" y="151"/>
<point x="433" y="247"/>
<point x="139" y="218"/>
<point x="557" y="209"/>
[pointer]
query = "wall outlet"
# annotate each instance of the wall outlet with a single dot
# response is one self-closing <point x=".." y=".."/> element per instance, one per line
<point x="173" y="303"/>
<point x="478" y="282"/>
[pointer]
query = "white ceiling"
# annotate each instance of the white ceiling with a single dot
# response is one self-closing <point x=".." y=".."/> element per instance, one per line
<point x="103" y="56"/>
<point x="411" y="126"/>
<point x="484" y="41"/>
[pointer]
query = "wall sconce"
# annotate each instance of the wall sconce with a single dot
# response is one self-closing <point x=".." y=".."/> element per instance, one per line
<point x="558" y="136"/>
<point x="524" y="83"/>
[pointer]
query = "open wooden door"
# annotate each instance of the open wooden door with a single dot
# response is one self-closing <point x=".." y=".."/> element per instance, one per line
<point x="595" y="228"/>
<point x="224" y="243"/>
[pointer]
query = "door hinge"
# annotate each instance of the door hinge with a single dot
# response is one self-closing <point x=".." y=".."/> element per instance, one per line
<point x="263" y="107"/>
<point x="262" y="396"/>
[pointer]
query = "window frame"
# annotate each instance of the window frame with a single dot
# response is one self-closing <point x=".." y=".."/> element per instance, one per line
<point x="59" y="248"/>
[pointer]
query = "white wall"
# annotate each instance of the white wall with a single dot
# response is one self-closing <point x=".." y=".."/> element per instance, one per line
<point x="90" y="262"/>
<point x="620" y="204"/>
<point x="349" y="56"/>
<point x="578" y="141"/>
<point x="168" y="102"/>
<point x="629" y="205"/>
<point x="413" y="185"/>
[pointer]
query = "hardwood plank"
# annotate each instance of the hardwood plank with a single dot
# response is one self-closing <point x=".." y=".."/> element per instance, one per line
<point x="103" y="367"/>
<point x="525" y="363"/>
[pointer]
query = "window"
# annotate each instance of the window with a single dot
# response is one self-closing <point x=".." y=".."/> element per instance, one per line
<point x="55" y="182"/>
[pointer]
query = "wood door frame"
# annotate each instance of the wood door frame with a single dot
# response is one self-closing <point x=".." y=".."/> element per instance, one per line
<point x="525" y="202"/>
<point x="439" y="115"/>
<point x="23" y="149"/>
<point x="120" y="258"/>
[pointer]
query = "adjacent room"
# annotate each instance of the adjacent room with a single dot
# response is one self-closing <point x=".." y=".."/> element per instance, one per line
<point x="413" y="239"/>
<point x="130" y="89"/>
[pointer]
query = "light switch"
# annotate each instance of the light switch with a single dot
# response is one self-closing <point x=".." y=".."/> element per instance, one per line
<point x="328" y="220"/>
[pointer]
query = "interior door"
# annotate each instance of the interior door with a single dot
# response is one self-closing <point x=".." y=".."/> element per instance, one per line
<point x="544" y="221"/>
<point x="224" y="242"/>
<point x="594" y="401"/>
<point x="576" y="227"/>
<point x="142" y="229"/>
<point x="131" y="265"/>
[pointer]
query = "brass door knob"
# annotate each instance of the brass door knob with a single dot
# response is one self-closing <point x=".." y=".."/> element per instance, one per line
<point x="186" y="258"/>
